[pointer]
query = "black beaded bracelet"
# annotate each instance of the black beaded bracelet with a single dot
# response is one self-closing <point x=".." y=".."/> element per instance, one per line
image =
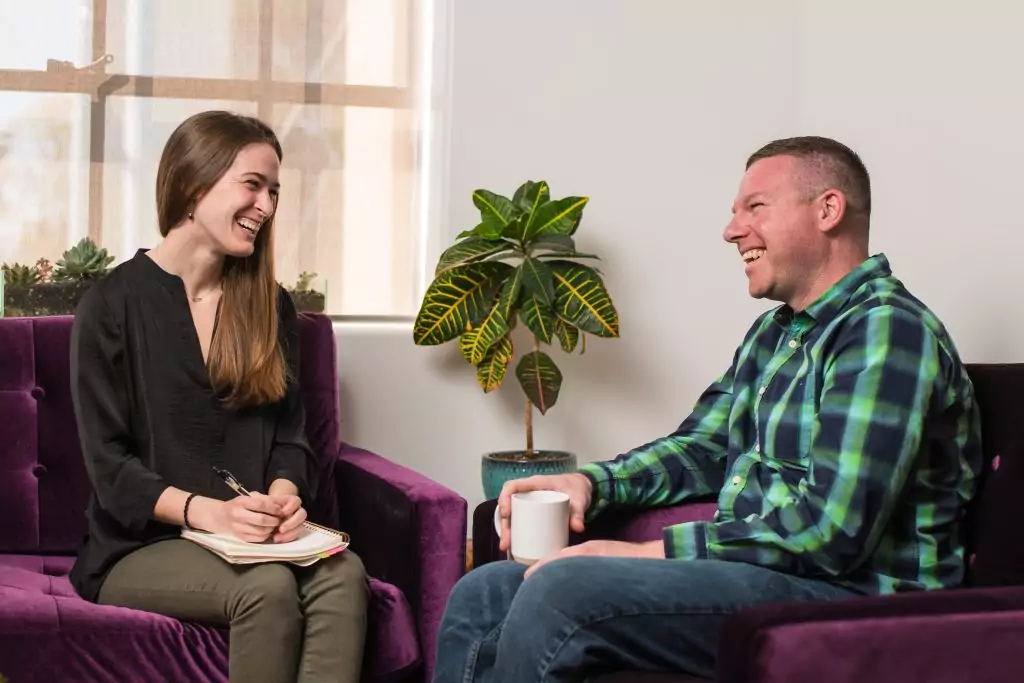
<point x="188" y="501"/>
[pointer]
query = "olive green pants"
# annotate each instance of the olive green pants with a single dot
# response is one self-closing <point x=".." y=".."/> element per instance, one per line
<point x="287" y="623"/>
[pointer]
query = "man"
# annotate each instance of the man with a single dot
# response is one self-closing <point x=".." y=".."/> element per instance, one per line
<point x="843" y="443"/>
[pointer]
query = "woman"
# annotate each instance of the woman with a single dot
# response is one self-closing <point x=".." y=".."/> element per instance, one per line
<point x="184" y="359"/>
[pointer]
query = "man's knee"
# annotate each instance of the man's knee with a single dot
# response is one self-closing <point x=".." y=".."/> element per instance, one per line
<point x="558" y="585"/>
<point x="478" y="586"/>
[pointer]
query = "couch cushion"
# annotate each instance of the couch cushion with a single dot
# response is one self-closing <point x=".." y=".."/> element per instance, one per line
<point x="19" y="490"/>
<point x="995" y="538"/>
<point x="43" y="483"/>
<point x="48" y="633"/>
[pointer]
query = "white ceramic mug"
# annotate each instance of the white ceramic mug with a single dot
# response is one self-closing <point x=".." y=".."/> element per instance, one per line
<point x="540" y="524"/>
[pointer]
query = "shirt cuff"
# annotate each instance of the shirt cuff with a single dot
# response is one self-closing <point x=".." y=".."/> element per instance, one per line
<point x="686" y="541"/>
<point x="602" y="491"/>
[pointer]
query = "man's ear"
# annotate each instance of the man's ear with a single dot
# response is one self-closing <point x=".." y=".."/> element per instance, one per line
<point x="831" y="209"/>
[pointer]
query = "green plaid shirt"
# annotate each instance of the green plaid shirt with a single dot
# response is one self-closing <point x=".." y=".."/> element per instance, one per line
<point x="843" y="443"/>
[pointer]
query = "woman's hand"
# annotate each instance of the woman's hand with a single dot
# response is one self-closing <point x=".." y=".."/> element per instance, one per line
<point x="291" y="519"/>
<point x="252" y="518"/>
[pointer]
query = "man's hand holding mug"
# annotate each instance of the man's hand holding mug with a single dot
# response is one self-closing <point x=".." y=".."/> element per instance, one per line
<point x="547" y="507"/>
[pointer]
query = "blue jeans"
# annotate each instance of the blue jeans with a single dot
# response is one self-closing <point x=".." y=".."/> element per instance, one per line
<point x="580" y="616"/>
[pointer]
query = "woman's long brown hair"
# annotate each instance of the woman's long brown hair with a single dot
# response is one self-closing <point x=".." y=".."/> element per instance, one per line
<point x="246" y="362"/>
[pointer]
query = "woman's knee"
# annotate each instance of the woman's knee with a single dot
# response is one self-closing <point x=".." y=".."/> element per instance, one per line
<point x="339" y="579"/>
<point x="348" y="567"/>
<point x="269" y="587"/>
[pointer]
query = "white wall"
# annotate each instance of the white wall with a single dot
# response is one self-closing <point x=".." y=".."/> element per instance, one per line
<point x="650" y="107"/>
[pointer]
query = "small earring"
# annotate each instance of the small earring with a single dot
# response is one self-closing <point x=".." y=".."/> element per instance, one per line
<point x="190" y="216"/>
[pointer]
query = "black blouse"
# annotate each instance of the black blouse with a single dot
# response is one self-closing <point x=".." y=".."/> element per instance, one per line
<point x="148" y="416"/>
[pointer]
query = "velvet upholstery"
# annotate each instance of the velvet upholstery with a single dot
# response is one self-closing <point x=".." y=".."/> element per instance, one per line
<point x="414" y="555"/>
<point x="966" y="633"/>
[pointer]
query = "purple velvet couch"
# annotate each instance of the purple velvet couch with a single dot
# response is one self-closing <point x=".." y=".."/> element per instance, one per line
<point x="409" y="531"/>
<point x="970" y="633"/>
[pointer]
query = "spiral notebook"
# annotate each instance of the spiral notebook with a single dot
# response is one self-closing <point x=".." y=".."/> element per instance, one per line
<point x="314" y="543"/>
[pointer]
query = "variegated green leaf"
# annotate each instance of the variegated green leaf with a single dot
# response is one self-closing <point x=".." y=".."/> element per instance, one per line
<point x="558" y="243"/>
<point x="503" y="254"/>
<point x="533" y="198"/>
<point x="576" y="225"/>
<point x="538" y="316"/>
<point x="468" y="251"/>
<point x="515" y="228"/>
<point x="540" y="378"/>
<point x="475" y="343"/>
<point x="508" y="299"/>
<point x="581" y="298"/>
<point x="489" y="229"/>
<point x="569" y="254"/>
<point x="556" y="218"/>
<point x="457" y="300"/>
<point x="568" y="336"/>
<point x="494" y="207"/>
<point x="490" y="372"/>
<point x="538" y="280"/>
<point x="531" y="195"/>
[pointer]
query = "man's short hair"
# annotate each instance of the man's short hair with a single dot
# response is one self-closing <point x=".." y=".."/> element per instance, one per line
<point x="833" y="165"/>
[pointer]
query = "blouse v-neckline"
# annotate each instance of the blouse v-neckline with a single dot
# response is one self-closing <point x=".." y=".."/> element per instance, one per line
<point x="189" y="333"/>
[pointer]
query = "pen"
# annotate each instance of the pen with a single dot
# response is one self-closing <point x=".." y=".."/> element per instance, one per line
<point x="230" y="480"/>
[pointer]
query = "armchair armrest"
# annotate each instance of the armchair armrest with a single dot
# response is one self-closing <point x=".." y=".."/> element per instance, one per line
<point x="936" y="636"/>
<point x="622" y="524"/>
<point x="409" y="531"/>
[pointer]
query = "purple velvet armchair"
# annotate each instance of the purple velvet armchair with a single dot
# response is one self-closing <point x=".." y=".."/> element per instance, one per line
<point x="409" y="531"/>
<point x="970" y="633"/>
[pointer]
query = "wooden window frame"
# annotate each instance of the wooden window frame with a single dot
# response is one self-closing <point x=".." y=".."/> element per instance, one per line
<point x="93" y="80"/>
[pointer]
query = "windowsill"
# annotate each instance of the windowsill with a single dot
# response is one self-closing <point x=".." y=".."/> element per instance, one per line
<point x="371" y="324"/>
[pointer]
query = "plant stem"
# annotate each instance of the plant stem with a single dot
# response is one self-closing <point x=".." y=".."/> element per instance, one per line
<point x="529" y="411"/>
<point x="529" y="428"/>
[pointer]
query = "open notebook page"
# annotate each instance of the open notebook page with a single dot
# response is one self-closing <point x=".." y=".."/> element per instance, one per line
<point x="313" y="540"/>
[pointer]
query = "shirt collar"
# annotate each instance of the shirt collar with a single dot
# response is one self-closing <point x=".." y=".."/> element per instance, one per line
<point x="829" y="304"/>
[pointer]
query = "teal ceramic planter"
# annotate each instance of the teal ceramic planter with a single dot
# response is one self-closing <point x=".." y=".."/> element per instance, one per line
<point x="500" y="466"/>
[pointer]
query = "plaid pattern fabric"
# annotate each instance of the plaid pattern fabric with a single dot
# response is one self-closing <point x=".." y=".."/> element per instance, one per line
<point x="842" y="442"/>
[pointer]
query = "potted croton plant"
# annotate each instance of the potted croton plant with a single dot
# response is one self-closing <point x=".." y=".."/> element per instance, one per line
<point x="519" y="264"/>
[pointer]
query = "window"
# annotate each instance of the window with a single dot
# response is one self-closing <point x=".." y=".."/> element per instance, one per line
<point x="91" y="89"/>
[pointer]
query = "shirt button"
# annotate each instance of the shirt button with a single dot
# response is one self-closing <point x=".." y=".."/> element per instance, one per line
<point x="762" y="390"/>
<point x="793" y="343"/>
<point x="736" y="480"/>
<point x="757" y="448"/>
<point x="718" y="516"/>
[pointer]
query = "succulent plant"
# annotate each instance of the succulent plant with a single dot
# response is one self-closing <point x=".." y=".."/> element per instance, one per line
<point x="17" y="274"/>
<point x="83" y="261"/>
<point x="45" y="269"/>
<point x="305" y="280"/>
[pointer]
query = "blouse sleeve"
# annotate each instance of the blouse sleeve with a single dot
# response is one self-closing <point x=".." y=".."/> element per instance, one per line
<point x="291" y="456"/>
<point x="124" y="486"/>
